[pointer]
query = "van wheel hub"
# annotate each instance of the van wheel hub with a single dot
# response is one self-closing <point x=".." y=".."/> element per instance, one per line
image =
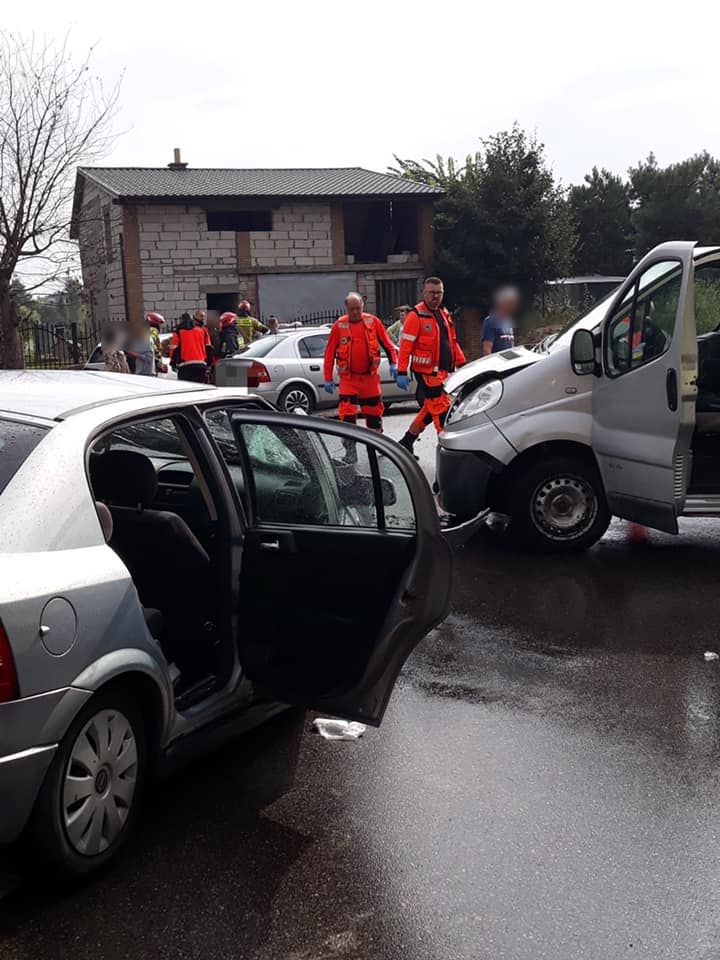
<point x="564" y="507"/>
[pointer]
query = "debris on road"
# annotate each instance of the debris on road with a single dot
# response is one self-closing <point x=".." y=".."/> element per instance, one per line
<point x="332" y="729"/>
<point x="711" y="655"/>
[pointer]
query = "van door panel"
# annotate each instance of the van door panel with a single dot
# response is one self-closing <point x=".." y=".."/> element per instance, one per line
<point x="644" y="402"/>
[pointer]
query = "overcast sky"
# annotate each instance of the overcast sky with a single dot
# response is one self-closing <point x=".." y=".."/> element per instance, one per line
<point x="349" y="84"/>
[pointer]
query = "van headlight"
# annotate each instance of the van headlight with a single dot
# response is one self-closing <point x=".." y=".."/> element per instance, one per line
<point x="480" y="400"/>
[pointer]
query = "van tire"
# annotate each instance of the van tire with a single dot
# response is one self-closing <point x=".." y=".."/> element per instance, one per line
<point x="46" y="835"/>
<point x="558" y="506"/>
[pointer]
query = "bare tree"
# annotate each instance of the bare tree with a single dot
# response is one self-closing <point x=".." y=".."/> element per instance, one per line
<point x="54" y="116"/>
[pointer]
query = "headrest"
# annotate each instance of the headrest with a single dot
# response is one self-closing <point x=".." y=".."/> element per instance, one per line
<point x="106" y="521"/>
<point x="123" y="478"/>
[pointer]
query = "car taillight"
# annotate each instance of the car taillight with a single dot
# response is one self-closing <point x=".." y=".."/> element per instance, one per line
<point x="8" y="676"/>
<point x="257" y="374"/>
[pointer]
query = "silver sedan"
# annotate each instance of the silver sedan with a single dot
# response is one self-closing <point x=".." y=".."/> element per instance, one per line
<point x="288" y="371"/>
<point x="161" y="547"/>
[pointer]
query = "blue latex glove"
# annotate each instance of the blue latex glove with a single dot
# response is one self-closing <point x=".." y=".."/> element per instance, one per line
<point x="329" y="386"/>
<point x="393" y="371"/>
<point x="402" y="381"/>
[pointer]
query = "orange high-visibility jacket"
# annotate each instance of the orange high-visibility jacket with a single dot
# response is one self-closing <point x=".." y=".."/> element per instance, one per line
<point x="420" y="341"/>
<point x="340" y="345"/>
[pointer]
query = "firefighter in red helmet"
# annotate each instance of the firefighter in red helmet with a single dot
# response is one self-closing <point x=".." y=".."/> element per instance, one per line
<point x="155" y="321"/>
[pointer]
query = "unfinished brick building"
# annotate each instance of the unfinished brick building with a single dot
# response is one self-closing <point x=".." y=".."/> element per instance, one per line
<point x="292" y="241"/>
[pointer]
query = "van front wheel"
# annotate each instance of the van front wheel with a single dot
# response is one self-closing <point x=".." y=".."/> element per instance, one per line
<point x="558" y="506"/>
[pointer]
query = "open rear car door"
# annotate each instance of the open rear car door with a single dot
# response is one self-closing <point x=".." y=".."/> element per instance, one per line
<point x="345" y="568"/>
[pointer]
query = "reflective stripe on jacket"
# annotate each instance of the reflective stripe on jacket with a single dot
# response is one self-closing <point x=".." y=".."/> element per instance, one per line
<point x="420" y="341"/>
<point x="340" y="345"/>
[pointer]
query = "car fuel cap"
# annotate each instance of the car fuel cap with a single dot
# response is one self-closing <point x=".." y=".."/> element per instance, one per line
<point x="58" y="626"/>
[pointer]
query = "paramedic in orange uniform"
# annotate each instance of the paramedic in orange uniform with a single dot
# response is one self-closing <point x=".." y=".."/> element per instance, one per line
<point x="354" y="345"/>
<point x="428" y="347"/>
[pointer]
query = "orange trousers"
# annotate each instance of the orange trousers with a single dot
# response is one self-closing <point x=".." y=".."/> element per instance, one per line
<point x="361" y="395"/>
<point x="436" y="402"/>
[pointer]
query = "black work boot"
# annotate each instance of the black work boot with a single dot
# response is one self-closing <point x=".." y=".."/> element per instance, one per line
<point x="407" y="441"/>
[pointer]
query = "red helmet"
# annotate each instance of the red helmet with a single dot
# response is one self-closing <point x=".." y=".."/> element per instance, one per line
<point x="156" y="319"/>
<point x="227" y="319"/>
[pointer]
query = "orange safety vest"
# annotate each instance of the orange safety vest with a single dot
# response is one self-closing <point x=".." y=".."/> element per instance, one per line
<point x="344" y="350"/>
<point x="420" y="341"/>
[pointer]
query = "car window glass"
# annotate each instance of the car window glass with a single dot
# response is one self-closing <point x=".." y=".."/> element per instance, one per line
<point x="156" y="438"/>
<point x="264" y="347"/>
<point x="398" y="507"/>
<point x="17" y="441"/>
<point x="307" y="476"/>
<point x="707" y="297"/>
<point x="313" y="346"/>
<point x="218" y="423"/>
<point x="643" y="328"/>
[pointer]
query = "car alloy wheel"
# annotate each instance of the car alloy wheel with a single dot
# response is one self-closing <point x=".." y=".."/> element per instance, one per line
<point x="564" y="507"/>
<point x="296" y="399"/>
<point x="99" y="782"/>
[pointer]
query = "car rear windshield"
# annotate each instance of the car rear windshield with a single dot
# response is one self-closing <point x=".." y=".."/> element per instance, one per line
<point x="17" y="442"/>
<point x="261" y="348"/>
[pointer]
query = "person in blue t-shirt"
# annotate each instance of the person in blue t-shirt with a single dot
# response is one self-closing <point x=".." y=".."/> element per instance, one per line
<point x="498" y="332"/>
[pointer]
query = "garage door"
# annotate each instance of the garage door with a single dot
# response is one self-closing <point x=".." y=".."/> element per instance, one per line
<point x="289" y="295"/>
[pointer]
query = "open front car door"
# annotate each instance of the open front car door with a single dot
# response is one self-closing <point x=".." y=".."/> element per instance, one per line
<point x="344" y="569"/>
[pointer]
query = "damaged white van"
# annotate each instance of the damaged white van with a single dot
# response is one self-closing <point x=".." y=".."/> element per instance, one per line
<point x="618" y="415"/>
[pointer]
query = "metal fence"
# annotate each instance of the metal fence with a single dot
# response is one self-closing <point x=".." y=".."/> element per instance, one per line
<point x="57" y="346"/>
<point x="316" y="319"/>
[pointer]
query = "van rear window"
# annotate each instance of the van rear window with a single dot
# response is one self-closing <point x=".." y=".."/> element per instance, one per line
<point x="17" y="442"/>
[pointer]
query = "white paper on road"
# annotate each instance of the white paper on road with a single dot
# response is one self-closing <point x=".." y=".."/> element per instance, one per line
<point x="332" y="729"/>
<point x="711" y="655"/>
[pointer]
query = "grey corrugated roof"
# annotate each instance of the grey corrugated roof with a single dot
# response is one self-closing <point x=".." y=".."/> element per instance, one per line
<point x="331" y="182"/>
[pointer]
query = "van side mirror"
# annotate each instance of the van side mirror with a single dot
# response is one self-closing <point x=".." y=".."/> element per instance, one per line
<point x="582" y="354"/>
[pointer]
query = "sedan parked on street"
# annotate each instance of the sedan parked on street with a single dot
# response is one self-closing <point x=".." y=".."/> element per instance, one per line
<point x="288" y="371"/>
<point x="179" y="562"/>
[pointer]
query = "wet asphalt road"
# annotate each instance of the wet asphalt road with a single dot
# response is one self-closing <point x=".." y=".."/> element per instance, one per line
<point x="546" y="784"/>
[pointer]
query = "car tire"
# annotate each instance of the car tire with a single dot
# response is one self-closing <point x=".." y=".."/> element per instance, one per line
<point x="76" y="837"/>
<point x="558" y="506"/>
<point x="296" y="396"/>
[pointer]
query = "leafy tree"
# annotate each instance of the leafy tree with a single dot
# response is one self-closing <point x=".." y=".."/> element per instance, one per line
<point x="677" y="202"/>
<point x="503" y="218"/>
<point x="21" y="296"/>
<point x="601" y="209"/>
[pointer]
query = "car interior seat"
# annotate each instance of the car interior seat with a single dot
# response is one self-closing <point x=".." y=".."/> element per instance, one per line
<point x="153" y="617"/>
<point x="169" y="566"/>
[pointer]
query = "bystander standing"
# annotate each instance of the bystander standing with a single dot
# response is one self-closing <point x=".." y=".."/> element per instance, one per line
<point x="140" y="349"/>
<point x="498" y="331"/>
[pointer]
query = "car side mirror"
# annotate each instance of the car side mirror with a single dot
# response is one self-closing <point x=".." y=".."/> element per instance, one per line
<point x="582" y="354"/>
<point x="361" y="492"/>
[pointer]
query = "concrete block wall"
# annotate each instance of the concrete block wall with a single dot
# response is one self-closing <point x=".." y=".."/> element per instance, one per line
<point x="180" y="258"/>
<point x="301" y="237"/>
<point x="102" y="278"/>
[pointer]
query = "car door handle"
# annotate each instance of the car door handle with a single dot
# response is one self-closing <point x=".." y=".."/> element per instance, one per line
<point x="270" y="545"/>
<point x="314" y="366"/>
<point x="672" y="389"/>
